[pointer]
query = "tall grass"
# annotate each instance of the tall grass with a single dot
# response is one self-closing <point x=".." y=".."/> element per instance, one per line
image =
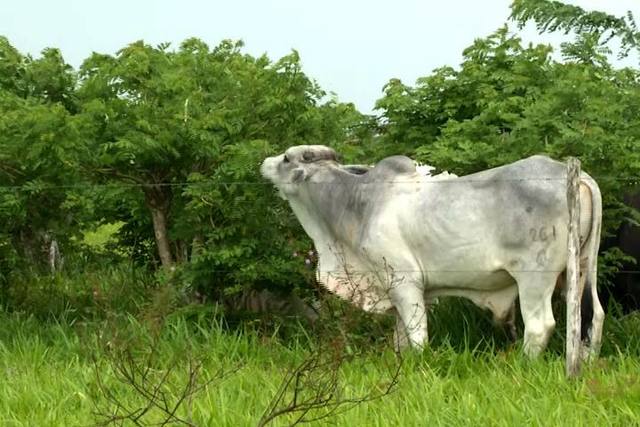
<point x="51" y="368"/>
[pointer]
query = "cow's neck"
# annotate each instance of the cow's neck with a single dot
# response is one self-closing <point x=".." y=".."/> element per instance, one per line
<point x="334" y="240"/>
<point x="312" y="222"/>
<point x="335" y="211"/>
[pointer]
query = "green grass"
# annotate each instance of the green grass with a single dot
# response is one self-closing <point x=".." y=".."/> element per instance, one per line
<point x="467" y="376"/>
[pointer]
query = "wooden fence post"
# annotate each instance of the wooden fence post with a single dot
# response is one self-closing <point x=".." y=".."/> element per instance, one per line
<point x="573" y="269"/>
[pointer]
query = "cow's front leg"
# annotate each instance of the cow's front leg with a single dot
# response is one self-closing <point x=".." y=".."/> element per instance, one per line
<point x="400" y="337"/>
<point x="408" y="300"/>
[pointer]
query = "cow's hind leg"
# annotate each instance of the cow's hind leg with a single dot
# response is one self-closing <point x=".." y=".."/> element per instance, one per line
<point x="592" y="318"/>
<point x="535" y="290"/>
<point x="409" y="302"/>
<point x="509" y="323"/>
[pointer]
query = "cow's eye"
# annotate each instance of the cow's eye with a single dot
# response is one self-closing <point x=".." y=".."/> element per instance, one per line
<point x="286" y="159"/>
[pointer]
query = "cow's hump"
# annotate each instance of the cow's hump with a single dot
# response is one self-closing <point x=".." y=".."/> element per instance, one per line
<point x="391" y="167"/>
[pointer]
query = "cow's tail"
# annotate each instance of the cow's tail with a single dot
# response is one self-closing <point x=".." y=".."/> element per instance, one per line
<point x="592" y="312"/>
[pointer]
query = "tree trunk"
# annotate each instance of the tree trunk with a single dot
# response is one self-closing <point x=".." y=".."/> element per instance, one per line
<point x="197" y="245"/>
<point x="55" y="258"/>
<point x="158" y="202"/>
<point x="181" y="251"/>
<point x="162" y="241"/>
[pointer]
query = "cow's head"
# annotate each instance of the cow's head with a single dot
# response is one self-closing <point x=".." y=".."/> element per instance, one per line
<point x="296" y="165"/>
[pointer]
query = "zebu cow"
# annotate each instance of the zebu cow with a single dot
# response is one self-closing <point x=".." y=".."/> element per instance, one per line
<point x="387" y="238"/>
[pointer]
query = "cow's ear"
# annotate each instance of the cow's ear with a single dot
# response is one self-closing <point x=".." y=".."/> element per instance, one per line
<point x="298" y="175"/>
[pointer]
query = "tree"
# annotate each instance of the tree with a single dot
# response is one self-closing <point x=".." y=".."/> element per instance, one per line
<point x="551" y="16"/>
<point x="189" y="128"/>
<point x="38" y="151"/>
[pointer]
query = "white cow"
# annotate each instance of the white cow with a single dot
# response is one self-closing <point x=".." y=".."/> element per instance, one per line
<point x="388" y="237"/>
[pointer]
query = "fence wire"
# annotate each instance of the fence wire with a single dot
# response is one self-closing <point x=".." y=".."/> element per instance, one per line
<point x="426" y="180"/>
<point x="350" y="273"/>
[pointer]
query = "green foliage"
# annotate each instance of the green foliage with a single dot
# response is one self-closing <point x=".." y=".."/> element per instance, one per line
<point x="39" y="153"/>
<point x="102" y="236"/>
<point x="550" y="16"/>
<point x="160" y="140"/>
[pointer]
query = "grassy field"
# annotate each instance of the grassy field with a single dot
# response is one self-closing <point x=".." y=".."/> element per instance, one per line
<point x="63" y="372"/>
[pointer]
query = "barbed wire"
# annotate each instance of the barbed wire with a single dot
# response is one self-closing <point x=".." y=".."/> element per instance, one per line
<point x="444" y="180"/>
<point x="350" y="273"/>
<point x="386" y="274"/>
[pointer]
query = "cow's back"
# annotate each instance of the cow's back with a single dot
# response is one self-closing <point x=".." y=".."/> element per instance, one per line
<point x="510" y="217"/>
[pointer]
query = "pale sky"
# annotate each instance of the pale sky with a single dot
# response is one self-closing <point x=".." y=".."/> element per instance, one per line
<point x="350" y="47"/>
